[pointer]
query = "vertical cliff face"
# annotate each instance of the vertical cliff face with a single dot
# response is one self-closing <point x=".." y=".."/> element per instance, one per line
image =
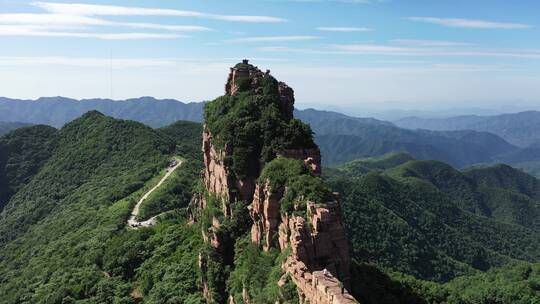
<point x="249" y="129"/>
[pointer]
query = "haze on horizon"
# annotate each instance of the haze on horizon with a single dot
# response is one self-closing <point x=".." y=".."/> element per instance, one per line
<point x="336" y="54"/>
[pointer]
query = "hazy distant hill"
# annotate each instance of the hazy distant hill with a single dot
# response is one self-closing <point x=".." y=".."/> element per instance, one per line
<point x="57" y="111"/>
<point x="341" y="138"/>
<point x="6" y="127"/>
<point x="520" y="129"/>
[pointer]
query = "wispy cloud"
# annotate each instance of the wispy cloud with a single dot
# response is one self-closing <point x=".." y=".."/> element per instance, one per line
<point x="112" y="10"/>
<point x="86" y="62"/>
<point x="342" y="1"/>
<point x="430" y="43"/>
<point x="273" y="39"/>
<point x="344" y="29"/>
<point x="469" y="23"/>
<point x="52" y="31"/>
<point x="392" y="50"/>
<point x="76" y="20"/>
<point x="119" y="63"/>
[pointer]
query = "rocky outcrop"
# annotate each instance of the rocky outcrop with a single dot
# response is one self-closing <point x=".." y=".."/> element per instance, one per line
<point x="317" y="244"/>
<point x="218" y="179"/>
<point x="316" y="287"/>
<point x="265" y="213"/>
<point x="319" y="255"/>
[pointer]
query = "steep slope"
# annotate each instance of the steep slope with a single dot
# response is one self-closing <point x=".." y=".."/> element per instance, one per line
<point x="188" y="136"/>
<point x="22" y="154"/>
<point x="63" y="236"/>
<point x="519" y="129"/>
<point x="427" y="219"/>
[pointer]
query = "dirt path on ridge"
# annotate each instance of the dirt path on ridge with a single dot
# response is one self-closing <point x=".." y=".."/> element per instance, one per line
<point x="132" y="221"/>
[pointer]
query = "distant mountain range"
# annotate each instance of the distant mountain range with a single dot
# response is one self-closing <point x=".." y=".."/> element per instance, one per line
<point x="360" y="139"/>
<point x="57" y="111"/>
<point x="341" y="138"/>
<point x="520" y="129"/>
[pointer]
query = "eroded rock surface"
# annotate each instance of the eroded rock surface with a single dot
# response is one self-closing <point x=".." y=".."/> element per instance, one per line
<point x="319" y="255"/>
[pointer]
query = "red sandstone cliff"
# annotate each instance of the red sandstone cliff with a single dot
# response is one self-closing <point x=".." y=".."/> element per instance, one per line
<point x="319" y="256"/>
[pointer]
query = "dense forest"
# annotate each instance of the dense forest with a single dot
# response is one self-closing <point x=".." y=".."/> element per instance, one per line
<point x="420" y="231"/>
<point x="437" y="235"/>
<point x="63" y="234"/>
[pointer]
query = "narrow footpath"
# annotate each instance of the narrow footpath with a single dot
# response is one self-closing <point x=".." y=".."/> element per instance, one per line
<point x="132" y="221"/>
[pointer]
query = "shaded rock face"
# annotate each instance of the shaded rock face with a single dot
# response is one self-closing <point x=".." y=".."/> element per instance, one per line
<point x="218" y="179"/>
<point x="265" y="213"/>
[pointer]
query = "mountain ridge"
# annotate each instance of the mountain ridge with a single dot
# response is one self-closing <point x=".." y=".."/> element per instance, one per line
<point x="517" y="128"/>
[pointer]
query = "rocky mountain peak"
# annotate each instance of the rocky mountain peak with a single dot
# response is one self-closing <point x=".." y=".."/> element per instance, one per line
<point x="257" y="155"/>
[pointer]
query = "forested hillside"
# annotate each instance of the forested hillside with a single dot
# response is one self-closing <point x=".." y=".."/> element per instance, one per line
<point x="63" y="235"/>
<point x="22" y="154"/>
<point x="420" y="231"/>
<point x="432" y="222"/>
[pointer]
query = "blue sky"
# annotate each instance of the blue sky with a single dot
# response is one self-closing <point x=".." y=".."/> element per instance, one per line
<point x="336" y="54"/>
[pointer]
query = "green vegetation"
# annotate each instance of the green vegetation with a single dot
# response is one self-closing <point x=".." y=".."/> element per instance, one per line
<point x="255" y="127"/>
<point x="513" y="283"/>
<point x="22" y="154"/>
<point x="187" y="136"/>
<point x="381" y="163"/>
<point x="424" y="220"/>
<point x="174" y="193"/>
<point x="259" y="272"/>
<point x="295" y="181"/>
<point x="63" y="236"/>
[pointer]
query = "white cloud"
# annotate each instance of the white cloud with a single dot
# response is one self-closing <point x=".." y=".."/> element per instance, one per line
<point x="430" y="43"/>
<point x="390" y="50"/>
<point x="76" y="20"/>
<point x="120" y="63"/>
<point x="411" y="51"/>
<point x="342" y="1"/>
<point x="111" y="10"/>
<point x="86" y="62"/>
<point x="50" y="19"/>
<point x="274" y="39"/>
<point x="470" y="23"/>
<point x="47" y="31"/>
<point x="344" y="29"/>
<point x="377" y="49"/>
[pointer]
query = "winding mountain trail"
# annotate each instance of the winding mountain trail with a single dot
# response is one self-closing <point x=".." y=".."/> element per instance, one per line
<point x="132" y="221"/>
